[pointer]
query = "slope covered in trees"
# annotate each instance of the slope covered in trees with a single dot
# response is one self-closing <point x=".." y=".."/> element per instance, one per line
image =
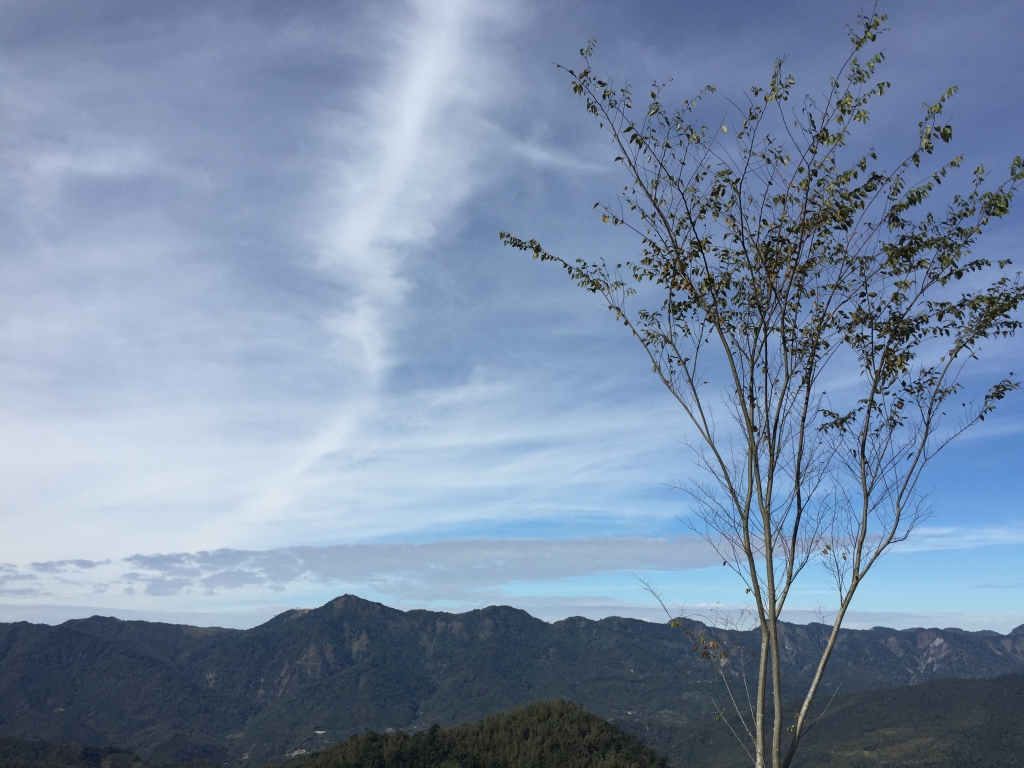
<point x="951" y="723"/>
<point x="542" y="735"/>
<point x="308" y="679"/>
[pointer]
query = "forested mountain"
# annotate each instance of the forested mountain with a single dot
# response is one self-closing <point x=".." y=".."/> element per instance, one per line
<point x="307" y="679"/>
<point x="554" y="734"/>
<point x="951" y="723"/>
<point x="28" y="753"/>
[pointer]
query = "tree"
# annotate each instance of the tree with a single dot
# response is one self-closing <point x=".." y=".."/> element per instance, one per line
<point x="785" y="262"/>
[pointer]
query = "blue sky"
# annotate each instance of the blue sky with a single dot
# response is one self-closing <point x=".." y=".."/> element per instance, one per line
<point x="260" y="345"/>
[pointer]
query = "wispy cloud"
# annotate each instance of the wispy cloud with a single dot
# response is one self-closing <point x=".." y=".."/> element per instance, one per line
<point x="396" y="174"/>
<point x="15" y="583"/>
<point x="957" y="537"/>
<point x="446" y="569"/>
<point x="464" y="572"/>
<point x="62" y="566"/>
<point x="459" y="571"/>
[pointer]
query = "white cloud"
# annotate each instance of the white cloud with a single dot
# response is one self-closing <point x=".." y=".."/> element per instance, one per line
<point x="450" y="570"/>
<point x="397" y="165"/>
<point x="928" y="538"/>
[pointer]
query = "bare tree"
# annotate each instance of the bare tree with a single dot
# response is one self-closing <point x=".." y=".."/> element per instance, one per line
<point x="842" y="302"/>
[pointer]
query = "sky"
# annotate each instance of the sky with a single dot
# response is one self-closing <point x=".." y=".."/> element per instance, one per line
<point x="260" y="344"/>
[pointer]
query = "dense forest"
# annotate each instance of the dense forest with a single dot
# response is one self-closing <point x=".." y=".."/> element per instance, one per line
<point x="940" y="724"/>
<point x="543" y="735"/>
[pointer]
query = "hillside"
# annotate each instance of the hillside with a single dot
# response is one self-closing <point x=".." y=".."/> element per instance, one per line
<point x="952" y="723"/>
<point x="940" y="724"/>
<point x="541" y="735"/>
<point x="25" y="753"/>
<point x="307" y="679"/>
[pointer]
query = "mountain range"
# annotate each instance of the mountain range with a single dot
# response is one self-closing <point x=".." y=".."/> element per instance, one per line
<point x="310" y="678"/>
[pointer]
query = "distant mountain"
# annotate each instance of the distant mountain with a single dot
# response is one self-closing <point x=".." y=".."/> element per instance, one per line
<point x="542" y="735"/>
<point x="307" y="679"/>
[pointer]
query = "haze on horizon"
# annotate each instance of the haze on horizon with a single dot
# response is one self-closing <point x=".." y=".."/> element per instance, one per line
<point x="260" y="345"/>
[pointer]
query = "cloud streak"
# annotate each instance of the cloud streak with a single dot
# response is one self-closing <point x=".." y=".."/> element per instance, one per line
<point x="466" y="572"/>
<point x="398" y="162"/>
<point x="451" y="569"/>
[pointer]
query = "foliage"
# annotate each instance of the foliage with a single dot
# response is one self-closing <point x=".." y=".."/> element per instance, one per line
<point x="556" y="734"/>
<point x="790" y="262"/>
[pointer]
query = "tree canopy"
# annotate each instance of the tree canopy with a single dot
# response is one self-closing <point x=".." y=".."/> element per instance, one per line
<point x="557" y="734"/>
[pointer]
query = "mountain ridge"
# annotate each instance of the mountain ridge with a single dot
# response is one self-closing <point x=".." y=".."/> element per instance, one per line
<point x="174" y="693"/>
